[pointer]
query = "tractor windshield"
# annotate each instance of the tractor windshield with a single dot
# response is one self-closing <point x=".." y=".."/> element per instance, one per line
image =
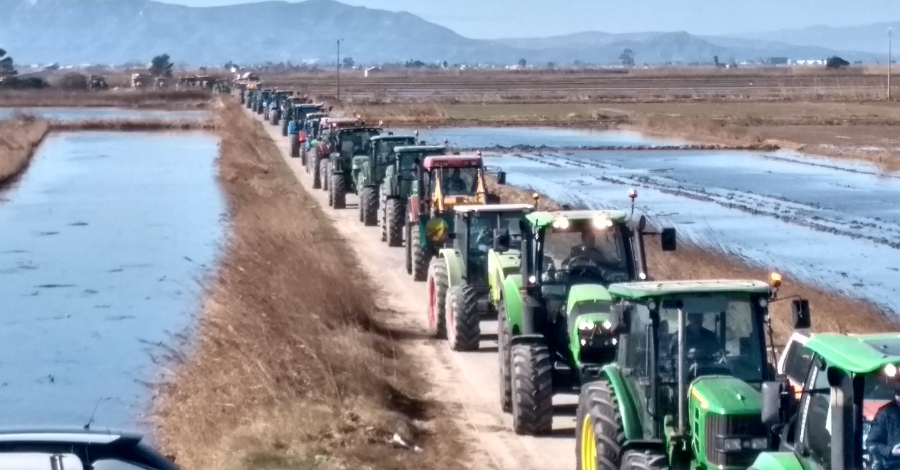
<point x="355" y="142"/>
<point x="459" y="181"/>
<point x="723" y="335"/>
<point x="385" y="150"/>
<point x="582" y="253"/>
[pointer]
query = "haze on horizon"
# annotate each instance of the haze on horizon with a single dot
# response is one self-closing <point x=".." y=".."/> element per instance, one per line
<point x="492" y="19"/>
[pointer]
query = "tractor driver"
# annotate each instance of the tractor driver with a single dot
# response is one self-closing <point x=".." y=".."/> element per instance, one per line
<point x="697" y="337"/>
<point x="883" y="441"/>
<point x="455" y="183"/>
<point x="588" y="249"/>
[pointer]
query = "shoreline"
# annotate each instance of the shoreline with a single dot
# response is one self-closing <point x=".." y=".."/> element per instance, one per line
<point x="20" y="138"/>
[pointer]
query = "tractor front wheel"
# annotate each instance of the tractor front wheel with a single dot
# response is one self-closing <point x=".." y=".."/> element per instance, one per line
<point x="465" y="319"/>
<point x="599" y="432"/>
<point x="503" y="352"/>
<point x="396" y="219"/>
<point x="645" y="460"/>
<point x="284" y="127"/>
<point x="368" y="201"/>
<point x="421" y="257"/>
<point x="317" y="174"/>
<point x="382" y="214"/>
<point x="295" y="148"/>
<point x="339" y="191"/>
<point x="408" y="237"/>
<point x="304" y="154"/>
<point x="532" y="389"/>
<point x="438" y="282"/>
<point x="326" y="175"/>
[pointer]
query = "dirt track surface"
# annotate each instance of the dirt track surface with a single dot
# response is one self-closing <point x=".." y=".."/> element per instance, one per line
<point x="466" y="383"/>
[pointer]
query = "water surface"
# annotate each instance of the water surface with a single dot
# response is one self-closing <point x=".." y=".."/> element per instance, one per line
<point x="79" y="114"/>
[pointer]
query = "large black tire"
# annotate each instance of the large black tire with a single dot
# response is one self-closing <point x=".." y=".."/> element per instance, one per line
<point x="396" y="219"/>
<point x="359" y="204"/>
<point x="326" y="174"/>
<point x="645" y="460"/>
<point x="598" y="420"/>
<point x="408" y="242"/>
<point x="505" y="355"/>
<point x="465" y="319"/>
<point x="304" y="154"/>
<point x="438" y="282"/>
<point x="284" y="127"/>
<point x="421" y="256"/>
<point x="317" y="173"/>
<point x="266" y="114"/>
<point x="274" y="118"/>
<point x="382" y="214"/>
<point x="532" y="389"/>
<point x="368" y="201"/>
<point x="295" y="147"/>
<point x="339" y="191"/>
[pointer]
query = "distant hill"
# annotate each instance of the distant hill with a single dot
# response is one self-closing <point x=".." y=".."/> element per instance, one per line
<point x="118" y="31"/>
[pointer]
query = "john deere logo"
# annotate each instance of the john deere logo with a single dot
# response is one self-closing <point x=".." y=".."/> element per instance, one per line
<point x="436" y="231"/>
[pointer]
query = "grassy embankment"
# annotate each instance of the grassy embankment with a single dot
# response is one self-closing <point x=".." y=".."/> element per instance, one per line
<point x="830" y="311"/>
<point x="290" y="366"/>
<point x="19" y="138"/>
<point x="146" y="99"/>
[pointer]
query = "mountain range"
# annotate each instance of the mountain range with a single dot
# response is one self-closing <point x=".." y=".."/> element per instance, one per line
<point x="119" y="31"/>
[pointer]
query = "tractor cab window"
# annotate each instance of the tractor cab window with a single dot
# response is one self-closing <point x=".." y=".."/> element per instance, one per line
<point x="459" y="181"/>
<point x="816" y="418"/>
<point x="723" y="336"/>
<point x="356" y="142"/>
<point x="583" y="253"/>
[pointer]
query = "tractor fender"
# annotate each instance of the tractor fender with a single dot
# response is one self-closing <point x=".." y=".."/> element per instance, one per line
<point x="629" y="410"/>
<point x="512" y="300"/>
<point x="455" y="269"/>
<point x="776" y="461"/>
<point x="527" y="339"/>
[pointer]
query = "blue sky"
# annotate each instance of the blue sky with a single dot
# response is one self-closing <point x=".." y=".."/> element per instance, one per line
<point x="535" y="18"/>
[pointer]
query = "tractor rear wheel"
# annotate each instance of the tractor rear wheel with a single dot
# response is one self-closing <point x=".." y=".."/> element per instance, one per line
<point x="464" y="318"/>
<point x="438" y="283"/>
<point x="645" y="460"/>
<point x="317" y="174"/>
<point x="503" y="352"/>
<point x="274" y="118"/>
<point x="284" y="127"/>
<point x="382" y="214"/>
<point x="304" y="154"/>
<point x="395" y="221"/>
<point x="326" y="174"/>
<point x="339" y="191"/>
<point x="409" y="242"/>
<point x="295" y="148"/>
<point x="368" y="201"/>
<point x="421" y="257"/>
<point x="532" y="389"/>
<point x="599" y="432"/>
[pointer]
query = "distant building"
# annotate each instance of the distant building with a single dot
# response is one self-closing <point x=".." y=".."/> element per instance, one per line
<point x="777" y="61"/>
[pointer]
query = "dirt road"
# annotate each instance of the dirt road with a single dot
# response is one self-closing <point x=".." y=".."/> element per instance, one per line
<point x="467" y="383"/>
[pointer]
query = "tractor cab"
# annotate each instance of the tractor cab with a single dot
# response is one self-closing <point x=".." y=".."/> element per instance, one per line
<point x="381" y="156"/>
<point x="396" y="189"/>
<point x="690" y="363"/>
<point x="452" y="179"/>
<point x="312" y="125"/>
<point x="829" y="427"/>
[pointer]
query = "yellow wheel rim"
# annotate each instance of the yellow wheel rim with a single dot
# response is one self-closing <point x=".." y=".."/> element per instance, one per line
<point x="588" y="445"/>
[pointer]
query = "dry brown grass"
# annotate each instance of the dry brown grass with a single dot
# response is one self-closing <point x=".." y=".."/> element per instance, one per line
<point x="149" y="99"/>
<point x="19" y="137"/>
<point x="132" y="125"/>
<point x="831" y="311"/>
<point x="289" y="366"/>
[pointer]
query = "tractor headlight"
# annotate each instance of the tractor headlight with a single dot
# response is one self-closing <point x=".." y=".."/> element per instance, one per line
<point x="729" y="444"/>
<point x="561" y="223"/>
<point x="602" y="223"/>
<point x="759" y="443"/>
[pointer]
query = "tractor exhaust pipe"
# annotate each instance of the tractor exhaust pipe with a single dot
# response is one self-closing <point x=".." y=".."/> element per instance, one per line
<point x="682" y="393"/>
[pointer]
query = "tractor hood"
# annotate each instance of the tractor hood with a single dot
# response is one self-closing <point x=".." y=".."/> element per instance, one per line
<point x="725" y="395"/>
<point x="358" y="161"/>
<point x="585" y="293"/>
<point x="587" y="310"/>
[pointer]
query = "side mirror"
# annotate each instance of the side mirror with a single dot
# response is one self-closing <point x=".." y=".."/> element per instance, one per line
<point x="501" y="177"/>
<point x="451" y="236"/>
<point x="777" y="402"/>
<point x="800" y="314"/>
<point x="501" y="240"/>
<point x="619" y="318"/>
<point x="330" y="108"/>
<point x="668" y="239"/>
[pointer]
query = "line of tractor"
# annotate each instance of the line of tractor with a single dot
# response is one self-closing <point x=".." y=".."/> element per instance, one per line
<point x="669" y="373"/>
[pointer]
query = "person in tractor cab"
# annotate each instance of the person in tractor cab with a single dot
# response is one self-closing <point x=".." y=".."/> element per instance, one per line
<point x="883" y="441"/>
<point x="588" y="249"/>
<point x="697" y="336"/>
<point x="455" y="183"/>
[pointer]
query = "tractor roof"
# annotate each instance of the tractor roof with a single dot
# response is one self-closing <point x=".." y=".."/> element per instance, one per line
<point x="450" y="161"/>
<point x="420" y="148"/>
<point x="637" y="290"/>
<point x="493" y="208"/>
<point x="859" y="354"/>
<point x="358" y="128"/>
<point x="543" y="218"/>
<point x="393" y="137"/>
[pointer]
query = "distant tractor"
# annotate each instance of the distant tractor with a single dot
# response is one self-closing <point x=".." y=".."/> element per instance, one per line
<point x="310" y="134"/>
<point x="330" y="143"/>
<point x="460" y="277"/>
<point x="97" y="82"/>
<point x="442" y="182"/>
<point x="398" y="183"/>
<point x="369" y="174"/>
<point x="344" y="163"/>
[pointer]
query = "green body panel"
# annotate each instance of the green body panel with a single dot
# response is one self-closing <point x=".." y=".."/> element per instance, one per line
<point x="718" y="395"/>
<point x="513" y="301"/>
<point x="542" y="219"/>
<point x="455" y="268"/>
<point x="500" y="265"/>
<point x="642" y="290"/>
<point x="585" y="293"/>
<point x="777" y="461"/>
<point x="372" y="173"/>
<point x="628" y="409"/>
<point x="359" y="166"/>
<point x="860" y="354"/>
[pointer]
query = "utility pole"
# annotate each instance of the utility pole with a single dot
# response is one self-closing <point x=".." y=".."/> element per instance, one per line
<point x="890" y="59"/>
<point x="339" y="70"/>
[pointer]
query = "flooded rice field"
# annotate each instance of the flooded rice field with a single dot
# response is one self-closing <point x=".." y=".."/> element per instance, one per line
<point x="103" y="243"/>
<point x="487" y="138"/>
<point x="80" y="114"/>
<point x="823" y="220"/>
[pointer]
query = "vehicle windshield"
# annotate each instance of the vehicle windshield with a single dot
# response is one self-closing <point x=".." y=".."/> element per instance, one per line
<point x="458" y="181"/>
<point x="583" y="253"/>
<point x="480" y="235"/>
<point x="722" y="336"/>
<point x="355" y="142"/>
<point x="384" y="155"/>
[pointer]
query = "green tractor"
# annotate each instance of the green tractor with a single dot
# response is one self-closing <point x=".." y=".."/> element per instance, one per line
<point x="568" y="258"/>
<point x="849" y="377"/>
<point x="399" y="182"/>
<point x="369" y="174"/>
<point x="459" y="287"/>
<point x="350" y="151"/>
<point x="442" y="182"/>
<point x="684" y="388"/>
